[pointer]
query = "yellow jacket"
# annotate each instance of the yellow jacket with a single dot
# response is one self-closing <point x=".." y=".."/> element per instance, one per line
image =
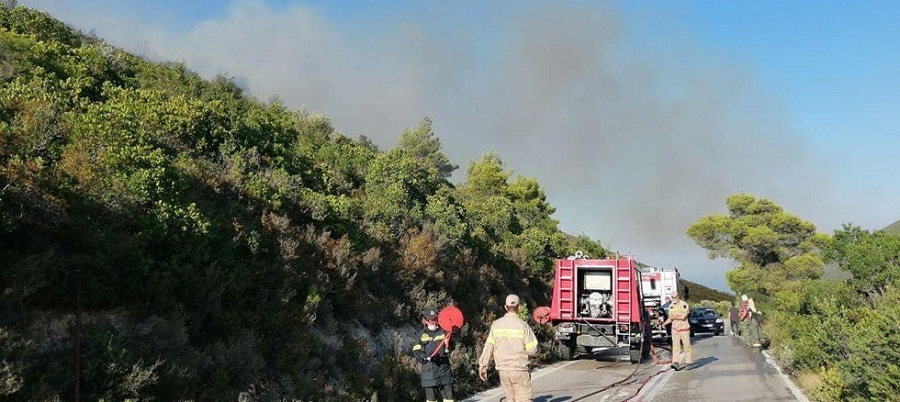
<point x="678" y="314"/>
<point x="509" y="342"/>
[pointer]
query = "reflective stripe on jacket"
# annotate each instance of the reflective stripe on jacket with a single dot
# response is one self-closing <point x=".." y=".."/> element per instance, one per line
<point x="437" y="371"/>
<point x="509" y="342"/>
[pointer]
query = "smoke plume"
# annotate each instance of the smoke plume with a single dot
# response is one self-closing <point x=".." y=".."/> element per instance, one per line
<point x="633" y="139"/>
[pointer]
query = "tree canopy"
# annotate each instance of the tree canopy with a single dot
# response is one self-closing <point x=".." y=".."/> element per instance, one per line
<point x="424" y="145"/>
<point x="872" y="258"/>
<point x="771" y="247"/>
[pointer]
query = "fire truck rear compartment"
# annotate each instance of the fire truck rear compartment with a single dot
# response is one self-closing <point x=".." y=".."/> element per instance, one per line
<point x="595" y="293"/>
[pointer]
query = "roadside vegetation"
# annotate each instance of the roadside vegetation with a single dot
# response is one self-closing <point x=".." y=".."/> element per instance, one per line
<point x="193" y="243"/>
<point x="839" y="338"/>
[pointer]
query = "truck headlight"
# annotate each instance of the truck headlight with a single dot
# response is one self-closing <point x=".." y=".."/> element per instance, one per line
<point x="719" y="321"/>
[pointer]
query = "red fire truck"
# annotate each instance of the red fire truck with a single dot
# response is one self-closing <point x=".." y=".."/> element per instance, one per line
<point x="598" y="303"/>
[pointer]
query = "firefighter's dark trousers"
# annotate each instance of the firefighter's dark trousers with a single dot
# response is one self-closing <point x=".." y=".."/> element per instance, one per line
<point x="446" y="391"/>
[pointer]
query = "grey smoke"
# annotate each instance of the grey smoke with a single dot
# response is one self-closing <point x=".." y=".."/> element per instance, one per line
<point x="633" y="140"/>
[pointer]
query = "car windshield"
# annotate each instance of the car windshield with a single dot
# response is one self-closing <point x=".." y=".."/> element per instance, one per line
<point x="705" y="314"/>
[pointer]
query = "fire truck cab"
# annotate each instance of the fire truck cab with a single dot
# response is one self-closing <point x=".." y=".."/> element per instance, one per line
<point x="597" y="303"/>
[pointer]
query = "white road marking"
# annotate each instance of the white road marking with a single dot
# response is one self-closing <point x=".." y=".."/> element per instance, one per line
<point x="654" y="386"/>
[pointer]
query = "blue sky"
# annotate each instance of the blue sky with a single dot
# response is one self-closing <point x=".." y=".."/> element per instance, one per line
<point x="653" y="111"/>
<point x="833" y="63"/>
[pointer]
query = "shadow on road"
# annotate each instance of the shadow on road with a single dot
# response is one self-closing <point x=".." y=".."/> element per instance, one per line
<point x="705" y="338"/>
<point x="550" y="398"/>
<point x="704" y="361"/>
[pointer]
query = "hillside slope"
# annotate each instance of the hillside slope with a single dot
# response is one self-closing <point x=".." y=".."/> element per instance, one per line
<point x="698" y="292"/>
<point x="213" y="247"/>
<point x="893" y="228"/>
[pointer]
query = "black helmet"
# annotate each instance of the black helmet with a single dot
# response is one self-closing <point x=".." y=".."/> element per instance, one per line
<point x="429" y="315"/>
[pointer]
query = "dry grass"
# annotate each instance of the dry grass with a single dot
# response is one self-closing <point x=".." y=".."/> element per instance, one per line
<point x="808" y="381"/>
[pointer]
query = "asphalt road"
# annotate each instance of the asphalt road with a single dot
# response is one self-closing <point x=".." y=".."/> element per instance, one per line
<point x="725" y="370"/>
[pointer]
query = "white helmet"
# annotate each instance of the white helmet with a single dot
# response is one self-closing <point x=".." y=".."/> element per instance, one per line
<point x="743" y="297"/>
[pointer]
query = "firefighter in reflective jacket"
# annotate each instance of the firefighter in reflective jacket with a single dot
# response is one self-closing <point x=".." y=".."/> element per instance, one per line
<point x="681" y="333"/>
<point x="510" y="342"/>
<point x="434" y="367"/>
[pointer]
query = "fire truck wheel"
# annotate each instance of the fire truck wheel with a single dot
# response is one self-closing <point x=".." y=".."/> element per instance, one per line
<point x="635" y="355"/>
<point x="565" y="350"/>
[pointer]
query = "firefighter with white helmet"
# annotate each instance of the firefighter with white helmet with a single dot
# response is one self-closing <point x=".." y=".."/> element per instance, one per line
<point x="681" y="333"/>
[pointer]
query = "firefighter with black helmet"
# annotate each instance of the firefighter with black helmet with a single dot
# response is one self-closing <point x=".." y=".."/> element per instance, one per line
<point x="433" y="353"/>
